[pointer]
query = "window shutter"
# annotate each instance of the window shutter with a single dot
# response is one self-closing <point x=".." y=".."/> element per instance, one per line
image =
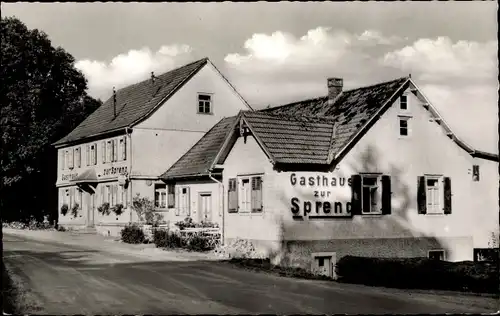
<point x="421" y="196"/>
<point x="70" y="197"/>
<point x="447" y="195"/>
<point x="62" y="160"/>
<point x="115" y="150"/>
<point x="79" y="157"/>
<point x="171" y="195"/>
<point x="103" y="149"/>
<point x="124" y="148"/>
<point x="386" y="194"/>
<point x="95" y="154"/>
<point x="102" y="194"/>
<point x="72" y="157"/>
<point x="188" y="206"/>
<point x="356" y="194"/>
<point x="232" y="196"/>
<point x="256" y="194"/>
<point x="177" y="200"/>
<point x="87" y="158"/>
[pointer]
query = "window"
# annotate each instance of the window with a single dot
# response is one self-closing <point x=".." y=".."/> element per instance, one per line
<point x="115" y="149"/>
<point x="245" y="194"/>
<point x="171" y="196"/>
<point x="109" y="151"/>
<point x="160" y="195"/>
<point x="66" y="197"/>
<point x="87" y="155"/>
<point x="403" y="102"/>
<point x="434" y="194"/>
<point x="123" y="146"/>
<point x="70" y="158"/>
<point x="370" y="195"/>
<point x="403" y="126"/>
<point x="436" y="255"/>
<point x="183" y="201"/>
<point x="103" y="151"/>
<point x="204" y="103"/>
<point x="63" y="159"/>
<point x="93" y="154"/>
<point x="475" y="173"/>
<point x="78" y="157"/>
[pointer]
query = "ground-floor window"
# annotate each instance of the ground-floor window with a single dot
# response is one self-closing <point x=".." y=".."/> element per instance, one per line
<point x="245" y="194"/>
<point x="436" y="254"/>
<point x="160" y="195"/>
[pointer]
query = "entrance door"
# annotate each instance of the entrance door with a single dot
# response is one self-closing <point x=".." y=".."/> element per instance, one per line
<point x="90" y="209"/>
<point x="205" y="207"/>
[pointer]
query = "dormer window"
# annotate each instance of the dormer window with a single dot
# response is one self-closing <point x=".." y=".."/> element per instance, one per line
<point x="403" y="102"/>
<point x="204" y="103"/>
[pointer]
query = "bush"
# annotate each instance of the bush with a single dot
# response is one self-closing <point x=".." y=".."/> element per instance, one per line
<point x="165" y="239"/>
<point x="132" y="234"/>
<point x="118" y="209"/>
<point x="422" y="273"/>
<point x="64" y="209"/>
<point x="104" y="209"/>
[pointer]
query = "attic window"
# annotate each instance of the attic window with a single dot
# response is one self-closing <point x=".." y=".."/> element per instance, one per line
<point x="204" y="104"/>
<point x="403" y="102"/>
<point x="475" y="173"/>
<point x="404" y="128"/>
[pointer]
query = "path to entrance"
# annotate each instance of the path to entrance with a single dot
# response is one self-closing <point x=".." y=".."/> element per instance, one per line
<point x="86" y="279"/>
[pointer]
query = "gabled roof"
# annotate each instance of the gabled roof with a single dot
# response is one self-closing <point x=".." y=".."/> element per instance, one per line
<point x="198" y="160"/>
<point x="313" y="131"/>
<point x="136" y="102"/>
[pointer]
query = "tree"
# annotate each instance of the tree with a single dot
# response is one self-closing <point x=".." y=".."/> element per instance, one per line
<point x="43" y="97"/>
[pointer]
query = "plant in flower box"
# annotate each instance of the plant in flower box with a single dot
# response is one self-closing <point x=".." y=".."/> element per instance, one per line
<point x="117" y="209"/>
<point x="64" y="209"/>
<point x="104" y="209"/>
<point x="74" y="209"/>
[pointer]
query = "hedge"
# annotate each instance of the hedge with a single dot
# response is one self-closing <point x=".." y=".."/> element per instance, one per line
<point x="421" y="273"/>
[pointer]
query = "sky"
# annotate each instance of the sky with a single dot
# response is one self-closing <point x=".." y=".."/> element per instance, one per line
<point x="274" y="53"/>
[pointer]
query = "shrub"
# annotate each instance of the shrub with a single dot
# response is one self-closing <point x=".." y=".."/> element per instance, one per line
<point x="64" y="209"/>
<point x="165" y="239"/>
<point x="186" y="223"/>
<point x="144" y="208"/>
<point x="132" y="234"/>
<point x="198" y="242"/>
<point x="118" y="209"/>
<point x="104" y="209"/>
<point x="420" y="273"/>
<point x="61" y="228"/>
<point x="74" y="209"/>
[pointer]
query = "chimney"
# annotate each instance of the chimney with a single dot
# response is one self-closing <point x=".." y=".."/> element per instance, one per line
<point x="335" y="86"/>
<point x="114" y="102"/>
<point x="152" y="77"/>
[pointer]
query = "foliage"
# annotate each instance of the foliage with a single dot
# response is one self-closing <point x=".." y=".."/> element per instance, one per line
<point x="118" y="209"/>
<point x="64" y="209"/>
<point x="188" y="223"/>
<point x="239" y="248"/>
<point x="420" y="273"/>
<point x="32" y="224"/>
<point x="132" y="234"/>
<point x="165" y="239"/>
<point x="43" y="99"/>
<point x="103" y="209"/>
<point x="74" y="209"/>
<point x="144" y="208"/>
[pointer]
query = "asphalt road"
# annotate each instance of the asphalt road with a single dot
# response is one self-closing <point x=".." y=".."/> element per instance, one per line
<point x="70" y="280"/>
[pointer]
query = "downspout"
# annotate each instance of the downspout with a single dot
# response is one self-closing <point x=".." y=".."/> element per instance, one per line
<point x="221" y="185"/>
<point x="129" y="190"/>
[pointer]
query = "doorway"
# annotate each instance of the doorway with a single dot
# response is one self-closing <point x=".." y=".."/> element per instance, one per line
<point x="324" y="263"/>
<point x="205" y="207"/>
<point x="90" y="208"/>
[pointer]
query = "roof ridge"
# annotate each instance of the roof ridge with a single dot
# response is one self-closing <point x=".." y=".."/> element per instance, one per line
<point x="376" y="84"/>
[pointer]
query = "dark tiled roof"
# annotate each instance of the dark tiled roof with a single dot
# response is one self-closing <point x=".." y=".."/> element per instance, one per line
<point x="351" y="110"/>
<point x="200" y="157"/>
<point x="133" y="103"/>
<point x="292" y="139"/>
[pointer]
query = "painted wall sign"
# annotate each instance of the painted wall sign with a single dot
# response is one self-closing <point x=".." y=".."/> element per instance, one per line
<point x="69" y="177"/>
<point x="114" y="170"/>
<point x="321" y="200"/>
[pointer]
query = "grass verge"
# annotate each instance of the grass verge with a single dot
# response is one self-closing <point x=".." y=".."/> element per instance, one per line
<point x="16" y="299"/>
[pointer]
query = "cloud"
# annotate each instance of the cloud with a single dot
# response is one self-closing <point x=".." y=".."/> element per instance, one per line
<point x="435" y="60"/>
<point x="460" y="78"/>
<point x="130" y="67"/>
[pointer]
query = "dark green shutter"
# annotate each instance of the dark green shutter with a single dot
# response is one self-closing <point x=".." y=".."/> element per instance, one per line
<point x="421" y="196"/>
<point x="356" y="194"/>
<point x="386" y="195"/>
<point x="256" y="194"/>
<point x="232" y="196"/>
<point x="447" y="195"/>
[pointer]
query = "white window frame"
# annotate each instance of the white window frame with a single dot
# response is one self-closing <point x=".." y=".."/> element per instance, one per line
<point x="378" y="186"/>
<point x="407" y="119"/>
<point x="184" y="200"/>
<point x="161" y="189"/>
<point x="405" y="95"/>
<point x="109" y="151"/>
<point x="205" y="102"/>
<point x="123" y="149"/>
<point x="437" y="250"/>
<point x="439" y="210"/>
<point x="241" y="209"/>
